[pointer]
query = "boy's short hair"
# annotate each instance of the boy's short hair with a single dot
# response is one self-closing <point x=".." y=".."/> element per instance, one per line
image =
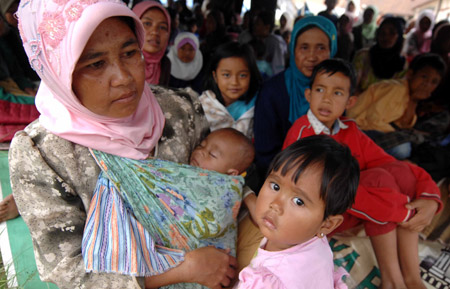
<point x="340" y="175"/>
<point x="267" y="18"/>
<point x="331" y="66"/>
<point x="432" y="60"/>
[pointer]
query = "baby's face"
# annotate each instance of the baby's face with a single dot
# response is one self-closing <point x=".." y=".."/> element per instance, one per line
<point x="290" y="213"/>
<point x="215" y="153"/>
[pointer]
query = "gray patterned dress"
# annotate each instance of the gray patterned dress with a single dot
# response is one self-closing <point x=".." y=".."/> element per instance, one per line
<point x="53" y="181"/>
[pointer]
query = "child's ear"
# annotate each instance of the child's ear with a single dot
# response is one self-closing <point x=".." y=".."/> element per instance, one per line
<point x="308" y="94"/>
<point x="328" y="226"/>
<point x="232" y="172"/>
<point x="351" y="102"/>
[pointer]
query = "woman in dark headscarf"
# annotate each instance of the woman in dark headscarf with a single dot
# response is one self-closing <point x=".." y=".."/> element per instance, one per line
<point x="383" y="60"/>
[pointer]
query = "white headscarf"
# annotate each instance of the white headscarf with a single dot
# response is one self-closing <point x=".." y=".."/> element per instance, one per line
<point x="180" y="69"/>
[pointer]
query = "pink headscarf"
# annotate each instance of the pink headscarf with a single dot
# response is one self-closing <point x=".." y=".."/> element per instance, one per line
<point x="54" y="33"/>
<point x="152" y="60"/>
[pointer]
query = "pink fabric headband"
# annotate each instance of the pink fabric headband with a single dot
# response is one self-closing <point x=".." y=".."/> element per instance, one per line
<point x="187" y="40"/>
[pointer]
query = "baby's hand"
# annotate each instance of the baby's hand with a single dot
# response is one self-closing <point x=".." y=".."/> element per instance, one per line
<point x="425" y="210"/>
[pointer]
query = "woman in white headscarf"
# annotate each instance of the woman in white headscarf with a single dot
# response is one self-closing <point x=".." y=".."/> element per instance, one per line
<point x="187" y="62"/>
<point x="418" y="40"/>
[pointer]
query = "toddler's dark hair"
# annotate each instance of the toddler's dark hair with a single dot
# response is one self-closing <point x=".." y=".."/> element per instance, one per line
<point x="331" y="66"/>
<point x="428" y="60"/>
<point x="234" y="49"/>
<point x="340" y="175"/>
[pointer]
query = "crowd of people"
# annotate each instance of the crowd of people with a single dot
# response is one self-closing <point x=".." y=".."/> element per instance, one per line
<point x="155" y="123"/>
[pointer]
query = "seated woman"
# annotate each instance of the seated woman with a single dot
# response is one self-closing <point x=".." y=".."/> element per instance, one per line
<point x="156" y="22"/>
<point x="281" y="99"/>
<point x="93" y="95"/>
<point x="383" y="60"/>
<point x="186" y="62"/>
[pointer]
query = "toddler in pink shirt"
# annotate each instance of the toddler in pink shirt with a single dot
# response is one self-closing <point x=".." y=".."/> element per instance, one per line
<point x="309" y="185"/>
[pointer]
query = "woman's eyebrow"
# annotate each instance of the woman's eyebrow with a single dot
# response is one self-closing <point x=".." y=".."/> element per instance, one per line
<point x="151" y="19"/>
<point x="92" y="54"/>
<point x="129" y="42"/>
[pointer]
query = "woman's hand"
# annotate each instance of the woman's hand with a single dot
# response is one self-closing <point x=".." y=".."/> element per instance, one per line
<point x="425" y="210"/>
<point x="208" y="266"/>
<point x="211" y="267"/>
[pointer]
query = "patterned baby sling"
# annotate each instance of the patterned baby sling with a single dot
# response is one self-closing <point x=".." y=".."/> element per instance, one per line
<point x="145" y="214"/>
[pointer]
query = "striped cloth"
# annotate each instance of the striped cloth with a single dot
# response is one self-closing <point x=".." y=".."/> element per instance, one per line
<point x="113" y="239"/>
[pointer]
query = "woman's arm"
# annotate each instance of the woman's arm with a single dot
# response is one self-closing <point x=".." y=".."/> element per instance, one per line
<point x="52" y="182"/>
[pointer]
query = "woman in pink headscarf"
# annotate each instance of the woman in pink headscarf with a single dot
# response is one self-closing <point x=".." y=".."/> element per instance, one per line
<point x="93" y="96"/>
<point x="156" y="22"/>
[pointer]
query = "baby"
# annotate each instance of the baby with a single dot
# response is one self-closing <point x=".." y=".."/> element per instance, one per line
<point x="309" y="186"/>
<point x="225" y="151"/>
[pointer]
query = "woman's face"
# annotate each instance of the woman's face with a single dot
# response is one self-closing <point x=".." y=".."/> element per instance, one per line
<point x="387" y="36"/>
<point x="186" y="53"/>
<point x="211" y="24"/>
<point x="312" y="47"/>
<point x="108" y="78"/>
<point x="424" y="24"/>
<point x="368" y="16"/>
<point x="156" y="30"/>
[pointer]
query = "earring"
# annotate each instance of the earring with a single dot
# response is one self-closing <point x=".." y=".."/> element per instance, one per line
<point x="321" y="235"/>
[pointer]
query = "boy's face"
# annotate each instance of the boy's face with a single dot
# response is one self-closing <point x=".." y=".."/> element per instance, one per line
<point x="423" y="82"/>
<point x="260" y="29"/>
<point x="289" y="213"/>
<point x="330" y="4"/>
<point x="218" y="152"/>
<point x="329" y="97"/>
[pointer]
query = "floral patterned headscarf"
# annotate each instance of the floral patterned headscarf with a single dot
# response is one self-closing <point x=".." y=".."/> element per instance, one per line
<point x="54" y="33"/>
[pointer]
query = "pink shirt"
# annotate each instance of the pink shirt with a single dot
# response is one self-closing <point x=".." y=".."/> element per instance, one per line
<point x="308" y="265"/>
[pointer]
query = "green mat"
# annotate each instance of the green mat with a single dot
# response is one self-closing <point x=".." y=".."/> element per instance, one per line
<point x="16" y="245"/>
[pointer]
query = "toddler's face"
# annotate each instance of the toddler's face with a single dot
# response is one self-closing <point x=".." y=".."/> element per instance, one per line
<point x="311" y="48"/>
<point x="215" y="153"/>
<point x="329" y="96"/>
<point x="290" y="213"/>
<point x="186" y="53"/>
<point x="423" y="82"/>
<point x="233" y="78"/>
